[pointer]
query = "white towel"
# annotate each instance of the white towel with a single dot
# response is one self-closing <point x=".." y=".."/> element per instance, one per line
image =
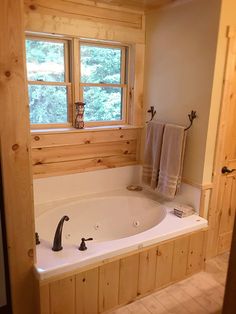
<point x="152" y="153"/>
<point x="171" y="164"/>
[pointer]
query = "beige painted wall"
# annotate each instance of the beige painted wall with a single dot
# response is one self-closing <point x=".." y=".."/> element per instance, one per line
<point x="180" y="58"/>
<point x="228" y="18"/>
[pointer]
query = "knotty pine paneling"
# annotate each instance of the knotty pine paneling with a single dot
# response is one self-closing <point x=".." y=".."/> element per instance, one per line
<point x="62" y="293"/>
<point x="78" y="152"/>
<point x="73" y="137"/>
<point x="195" y="252"/>
<point x="147" y="271"/>
<point x="87" y="292"/>
<point x="76" y="10"/>
<point x="71" y="152"/>
<point x="110" y="283"/>
<point x="109" y="286"/>
<point x="164" y="264"/>
<point x="87" y="20"/>
<point x="129" y="269"/>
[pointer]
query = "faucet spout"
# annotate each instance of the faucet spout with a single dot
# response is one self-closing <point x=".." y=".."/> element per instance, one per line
<point x="57" y="238"/>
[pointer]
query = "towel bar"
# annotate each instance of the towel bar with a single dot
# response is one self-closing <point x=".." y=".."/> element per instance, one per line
<point x="192" y="116"/>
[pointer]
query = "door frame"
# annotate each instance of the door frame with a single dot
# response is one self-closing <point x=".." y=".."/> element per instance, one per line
<point x="214" y="214"/>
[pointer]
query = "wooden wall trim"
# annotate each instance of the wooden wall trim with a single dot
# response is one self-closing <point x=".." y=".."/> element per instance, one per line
<point x="80" y="20"/>
<point x="200" y="186"/>
<point x="81" y="11"/>
<point x="138" y="108"/>
<point x="15" y="157"/>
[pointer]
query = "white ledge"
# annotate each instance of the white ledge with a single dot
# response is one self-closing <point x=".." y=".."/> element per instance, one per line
<point x="86" y="129"/>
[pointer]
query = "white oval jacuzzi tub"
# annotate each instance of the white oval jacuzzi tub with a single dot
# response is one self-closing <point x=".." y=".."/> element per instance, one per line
<point x="119" y="223"/>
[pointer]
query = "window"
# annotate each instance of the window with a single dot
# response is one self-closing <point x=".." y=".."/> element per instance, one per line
<point x="48" y="81"/>
<point x="101" y="81"/>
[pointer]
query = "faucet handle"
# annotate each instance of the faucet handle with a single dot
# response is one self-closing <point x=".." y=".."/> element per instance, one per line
<point x="83" y="246"/>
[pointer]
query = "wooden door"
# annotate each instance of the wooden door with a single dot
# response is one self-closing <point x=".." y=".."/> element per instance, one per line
<point x="223" y="201"/>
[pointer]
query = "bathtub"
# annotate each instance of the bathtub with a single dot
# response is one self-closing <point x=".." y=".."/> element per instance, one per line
<point x="119" y="222"/>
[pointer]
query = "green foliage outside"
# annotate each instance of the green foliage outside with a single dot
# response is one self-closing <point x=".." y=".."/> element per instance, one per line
<point x="48" y="103"/>
<point x="101" y="65"/>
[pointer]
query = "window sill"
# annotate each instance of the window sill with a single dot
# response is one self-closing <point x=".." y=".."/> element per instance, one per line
<point x="86" y="129"/>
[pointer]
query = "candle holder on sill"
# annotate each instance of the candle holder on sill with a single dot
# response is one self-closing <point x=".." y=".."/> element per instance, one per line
<point x="79" y="115"/>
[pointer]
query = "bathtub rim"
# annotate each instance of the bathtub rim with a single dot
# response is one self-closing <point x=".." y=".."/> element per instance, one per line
<point x="44" y="280"/>
<point x="43" y="275"/>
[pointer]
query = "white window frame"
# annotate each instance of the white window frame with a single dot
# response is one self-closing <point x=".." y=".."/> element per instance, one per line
<point x="66" y="83"/>
<point x="123" y="84"/>
<point x="75" y="86"/>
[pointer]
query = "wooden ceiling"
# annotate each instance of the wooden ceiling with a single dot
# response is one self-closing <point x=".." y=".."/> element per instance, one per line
<point x="143" y="5"/>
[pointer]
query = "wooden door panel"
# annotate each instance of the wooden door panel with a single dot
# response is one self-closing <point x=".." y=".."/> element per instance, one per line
<point x="227" y="206"/>
<point x="223" y="199"/>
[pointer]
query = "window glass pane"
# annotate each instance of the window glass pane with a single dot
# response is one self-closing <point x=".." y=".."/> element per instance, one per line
<point x="45" y="60"/>
<point x="100" y="65"/>
<point x="48" y="104"/>
<point x="102" y="103"/>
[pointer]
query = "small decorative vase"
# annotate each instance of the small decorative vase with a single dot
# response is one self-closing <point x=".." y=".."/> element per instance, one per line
<point x="79" y="115"/>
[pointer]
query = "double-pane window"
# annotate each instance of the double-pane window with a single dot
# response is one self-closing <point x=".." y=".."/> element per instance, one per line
<point x="48" y="81"/>
<point x="101" y="83"/>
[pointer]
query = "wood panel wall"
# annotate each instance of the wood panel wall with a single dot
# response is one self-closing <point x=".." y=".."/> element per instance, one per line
<point x="15" y="157"/>
<point x="120" y="281"/>
<point x="85" y="19"/>
<point x="69" y="151"/>
<point x="78" y="151"/>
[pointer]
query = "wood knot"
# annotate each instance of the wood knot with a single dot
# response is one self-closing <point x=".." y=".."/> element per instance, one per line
<point x="31" y="253"/>
<point x="32" y="7"/>
<point x="36" y="138"/>
<point x="84" y="279"/>
<point x="87" y="142"/>
<point x="126" y="152"/>
<point x="15" y="147"/>
<point x="99" y="161"/>
<point x="121" y="136"/>
<point x="7" y="73"/>
<point x="37" y="163"/>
